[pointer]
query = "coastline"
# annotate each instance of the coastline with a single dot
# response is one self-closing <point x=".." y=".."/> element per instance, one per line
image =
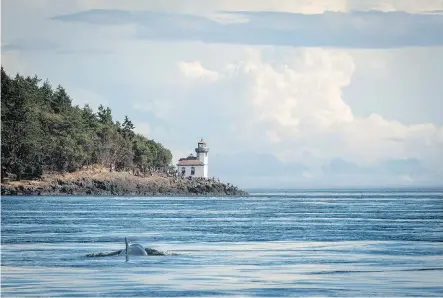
<point x="101" y="182"/>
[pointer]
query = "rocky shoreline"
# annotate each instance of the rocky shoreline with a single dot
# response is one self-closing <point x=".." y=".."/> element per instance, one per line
<point x="119" y="184"/>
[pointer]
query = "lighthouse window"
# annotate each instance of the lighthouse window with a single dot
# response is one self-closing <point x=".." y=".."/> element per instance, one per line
<point x="183" y="170"/>
<point x="192" y="170"/>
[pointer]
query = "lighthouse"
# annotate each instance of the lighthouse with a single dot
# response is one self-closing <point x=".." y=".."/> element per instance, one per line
<point x="202" y="155"/>
<point x="195" y="166"/>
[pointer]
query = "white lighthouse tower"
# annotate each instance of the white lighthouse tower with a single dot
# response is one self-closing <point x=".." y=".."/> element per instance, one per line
<point x="202" y="155"/>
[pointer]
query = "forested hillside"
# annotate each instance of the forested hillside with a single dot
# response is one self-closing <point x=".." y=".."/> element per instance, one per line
<point x="41" y="130"/>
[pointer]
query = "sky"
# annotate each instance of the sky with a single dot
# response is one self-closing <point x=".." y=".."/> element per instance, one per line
<point x="287" y="93"/>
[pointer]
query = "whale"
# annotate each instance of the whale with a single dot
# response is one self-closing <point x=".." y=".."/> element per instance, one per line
<point x="132" y="249"/>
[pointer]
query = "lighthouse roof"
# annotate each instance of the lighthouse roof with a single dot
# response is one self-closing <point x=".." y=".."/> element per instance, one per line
<point x="189" y="162"/>
<point x="202" y="142"/>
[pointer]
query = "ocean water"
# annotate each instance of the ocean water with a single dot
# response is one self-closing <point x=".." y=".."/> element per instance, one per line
<point x="340" y="243"/>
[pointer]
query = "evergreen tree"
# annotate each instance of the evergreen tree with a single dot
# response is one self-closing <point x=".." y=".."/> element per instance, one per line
<point x="41" y="130"/>
<point x="128" y="129"/>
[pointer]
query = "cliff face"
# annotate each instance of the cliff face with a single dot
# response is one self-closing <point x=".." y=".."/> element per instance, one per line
<point x="102" y="182"/>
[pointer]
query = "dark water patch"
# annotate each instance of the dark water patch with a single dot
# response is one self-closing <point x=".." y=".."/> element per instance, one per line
<point x="424" y="269"/>
<point x="346" y="272"/>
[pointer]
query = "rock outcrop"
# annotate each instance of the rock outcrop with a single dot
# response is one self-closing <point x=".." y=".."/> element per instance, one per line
<point x="119" y="184"/>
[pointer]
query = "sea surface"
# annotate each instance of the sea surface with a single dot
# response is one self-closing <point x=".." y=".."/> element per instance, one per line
<point x="270" y="244"/>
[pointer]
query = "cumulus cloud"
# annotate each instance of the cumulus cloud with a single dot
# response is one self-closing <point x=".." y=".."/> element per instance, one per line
<point x="301" y="91"/>
<point x="297" y="99"/>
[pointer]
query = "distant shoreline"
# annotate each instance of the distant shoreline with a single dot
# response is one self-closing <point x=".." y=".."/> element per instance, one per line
<point x="101" y="182"/>
<point x="349" y="189"/>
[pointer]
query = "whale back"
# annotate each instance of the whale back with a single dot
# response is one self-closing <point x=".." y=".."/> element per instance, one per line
<point x="137" y="250"/>
<point x="134" y="249"/>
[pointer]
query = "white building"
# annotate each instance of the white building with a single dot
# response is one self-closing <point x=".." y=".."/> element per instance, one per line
<point x="195" y="166"/>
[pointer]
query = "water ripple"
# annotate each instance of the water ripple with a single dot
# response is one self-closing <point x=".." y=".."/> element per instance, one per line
<point x="353" y="243"/>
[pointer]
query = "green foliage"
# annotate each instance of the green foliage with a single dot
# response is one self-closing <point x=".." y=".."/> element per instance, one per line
<point x="42" y="130"/>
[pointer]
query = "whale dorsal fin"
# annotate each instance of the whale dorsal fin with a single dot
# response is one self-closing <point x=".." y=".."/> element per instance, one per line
<point x="127" y="245"/>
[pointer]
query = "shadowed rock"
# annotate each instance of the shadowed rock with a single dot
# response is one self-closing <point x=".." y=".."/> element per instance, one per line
<point x="120" y="184"/>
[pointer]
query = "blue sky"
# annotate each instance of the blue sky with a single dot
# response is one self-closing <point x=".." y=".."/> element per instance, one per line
<point x="287" y="93"/>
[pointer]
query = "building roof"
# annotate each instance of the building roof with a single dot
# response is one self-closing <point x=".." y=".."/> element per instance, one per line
<point x="202" y="142"/>
<point x="189" y="162"/>
<point x="190" y="157"/>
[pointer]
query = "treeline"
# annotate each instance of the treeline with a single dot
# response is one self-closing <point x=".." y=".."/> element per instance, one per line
<point x="41" y="130"/>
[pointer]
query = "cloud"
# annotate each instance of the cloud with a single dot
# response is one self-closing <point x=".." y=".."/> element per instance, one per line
<point x="356" y="29"/>
<point x="277" y="100"/>
<point x="385" y="80"/>
<point x="194" y="70"/>
<point x="207" y="8"/>
<point x="29" y="45"/>
<point x="296" y="113"/>
<point x="411" y="6"/>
